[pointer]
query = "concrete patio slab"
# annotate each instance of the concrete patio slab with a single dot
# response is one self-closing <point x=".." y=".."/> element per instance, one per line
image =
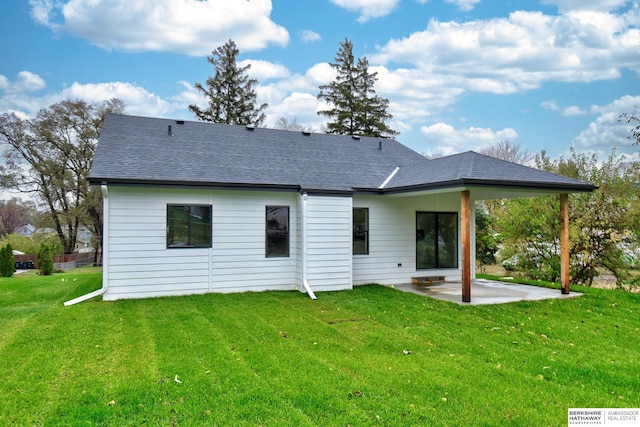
<point x="485" y="292"/>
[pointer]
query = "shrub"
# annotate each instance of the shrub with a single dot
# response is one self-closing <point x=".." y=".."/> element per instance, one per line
<point x="45" y="260"/>
<point x="7" y="261"/>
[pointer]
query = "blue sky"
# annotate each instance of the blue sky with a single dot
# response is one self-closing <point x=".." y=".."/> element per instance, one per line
<point x="459" y="74"/>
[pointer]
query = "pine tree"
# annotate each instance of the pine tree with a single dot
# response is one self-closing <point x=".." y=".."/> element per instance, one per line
<point x="372" y="109"/>
<point x="7" y="261"/>
<point x="45" y="260"/>
<point x="354" y="106"/>
<point x="340" y="93"/>
<point x="230" y="92"/>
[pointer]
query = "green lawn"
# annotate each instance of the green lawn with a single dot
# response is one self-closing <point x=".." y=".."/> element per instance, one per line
<point x="371" y="356"/>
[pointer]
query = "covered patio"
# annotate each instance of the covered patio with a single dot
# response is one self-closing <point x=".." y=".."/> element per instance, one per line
<point x="474" y="178"/>
<point x="485" y="292"/>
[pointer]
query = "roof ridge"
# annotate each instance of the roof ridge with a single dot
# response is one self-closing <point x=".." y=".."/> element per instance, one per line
<point x="467" y="164"/>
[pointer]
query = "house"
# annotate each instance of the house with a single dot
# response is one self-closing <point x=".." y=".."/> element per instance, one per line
<point x="26" y="230"/>
<point x="195" y="207"/>
<point x="83" y="240"/>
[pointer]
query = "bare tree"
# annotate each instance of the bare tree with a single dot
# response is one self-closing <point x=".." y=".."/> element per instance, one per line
<point x="50" y="156"/>
<point x="507" y="150"/>
<point x="634" y="120"/>
<point x="286" y="124"/>
<point x="11" y="216"/>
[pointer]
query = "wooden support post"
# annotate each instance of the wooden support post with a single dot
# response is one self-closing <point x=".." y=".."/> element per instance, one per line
<point x="465" y="209"/>
<point x="565" y="272"/>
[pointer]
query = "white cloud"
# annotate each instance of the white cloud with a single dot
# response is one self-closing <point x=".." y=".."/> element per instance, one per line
<point x="184" y="26"/>
<point x="520" y="52"/>
<point x="29" y="82"/>
<point x="444" y="139"/>
<point x="321" y="73"/>
<point x="187" y="96"/>
<point x="138" y="101"/>
<point x="550" y="105"/>
<point x="42" y="11"/>
<point x="19" y="96"/>
<point x="300" y="106"/>
<point x="26" y="82"/>
<point x="264" y="70"/>
<point x="607" y="131"/>
<point x="414" y="95"/>
<point x="308" y="36"/>
<point x="465" y="5"/>
<point x="573" y="111"/>
<point x="368" y="9"/>
<point x="602" y="5"/>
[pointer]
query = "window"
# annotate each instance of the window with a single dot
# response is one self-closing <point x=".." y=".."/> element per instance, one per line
<point x="361" y="231"/>
<point x="277" y="225"/>
<point x="188" y="226"/>
<point x="436" y="240"/>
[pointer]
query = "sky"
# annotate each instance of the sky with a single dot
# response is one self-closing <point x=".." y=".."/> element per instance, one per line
<point x="459" y="74"/>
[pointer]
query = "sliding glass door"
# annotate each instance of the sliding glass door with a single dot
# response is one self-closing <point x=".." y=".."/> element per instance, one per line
<point x="436" y="240"/>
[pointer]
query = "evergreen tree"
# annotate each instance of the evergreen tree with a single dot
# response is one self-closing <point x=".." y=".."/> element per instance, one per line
<point x="7" y="261"/>
<point x="372" y="109"/>
<point x="230" y="92"/>
<point x="354" y="107"/>
<point x="340" y="94"/>
<point x="45" y="260"/>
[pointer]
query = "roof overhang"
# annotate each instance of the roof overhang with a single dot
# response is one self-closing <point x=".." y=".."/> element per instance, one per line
<point x="218" y="186"/>
<point x="481" y="190"/>
<point x="486" y="189"/>
<point x="191" y="184"/>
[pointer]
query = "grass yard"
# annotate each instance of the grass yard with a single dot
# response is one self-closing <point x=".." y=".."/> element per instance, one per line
<point x="371" y="356"/>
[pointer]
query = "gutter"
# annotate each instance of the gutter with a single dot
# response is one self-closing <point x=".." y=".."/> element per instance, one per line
<point x="487" y="183"/>
<point x="105" y="258"/>
<point x="305" y="274"/>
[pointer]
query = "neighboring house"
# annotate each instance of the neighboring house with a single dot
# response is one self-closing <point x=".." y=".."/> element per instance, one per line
<point x="195" y="207"/>
<point x="83" y="240"/>
<point x="26" y="230"/>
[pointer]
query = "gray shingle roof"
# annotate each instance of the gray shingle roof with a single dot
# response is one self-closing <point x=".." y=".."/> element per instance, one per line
<point x="473" y="169"/>
<point x="139" y="150"/>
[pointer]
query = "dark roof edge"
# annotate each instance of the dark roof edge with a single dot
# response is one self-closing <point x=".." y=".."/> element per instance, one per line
<point x="334" y="193"/>
<point x="506" y="184"/>
<point x="219" y="186"/>
<point x="190" y="184"/>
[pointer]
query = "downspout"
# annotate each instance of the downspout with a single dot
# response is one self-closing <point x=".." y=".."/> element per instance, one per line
<point x="105" y="257"/>
<point x="305" y="276"/>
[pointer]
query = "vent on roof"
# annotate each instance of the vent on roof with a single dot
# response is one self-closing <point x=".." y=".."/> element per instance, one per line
<point x="305" y="133"/>
<point x="179" y="122"/>
<point x="169" y="130"/>
<point x="251" y="128"/>
<point x="380" y="145"/>
<point x="356" y="137"/>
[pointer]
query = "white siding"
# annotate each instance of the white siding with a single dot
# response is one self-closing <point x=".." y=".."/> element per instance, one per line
<point x="328" y="231"/>
<point x="140" y="265"/>
<point x="392" y="237"/>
